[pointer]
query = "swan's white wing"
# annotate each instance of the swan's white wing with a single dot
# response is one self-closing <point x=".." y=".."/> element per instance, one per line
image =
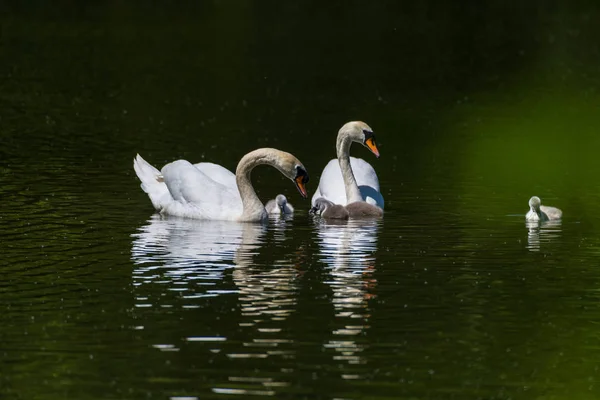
<point x="152" y="183"/>
<point x="196" y="195"/>
<point x="218" y="173"/>
<point x="331" y="184"/>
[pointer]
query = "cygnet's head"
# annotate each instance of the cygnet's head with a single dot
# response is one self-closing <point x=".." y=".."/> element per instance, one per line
<point x="327" y="209"/>
<point x="320" y="206"/>
<point x="535" y="203"/>
<point x="281" y="201"/>
<point x="358" y="132"/>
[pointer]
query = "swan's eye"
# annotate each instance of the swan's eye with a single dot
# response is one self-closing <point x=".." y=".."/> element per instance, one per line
<point x="301" y="173"/>
<point x="370" y="142"/>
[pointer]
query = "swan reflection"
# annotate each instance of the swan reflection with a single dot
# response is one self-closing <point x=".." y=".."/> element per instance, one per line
<point x="348" y="248"/>
<point x="189" y="256"/>
<point x="189" y="259"/>
<point x="542" y="232"/>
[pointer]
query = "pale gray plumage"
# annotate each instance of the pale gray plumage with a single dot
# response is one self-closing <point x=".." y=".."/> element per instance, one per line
<point x="279" y="205"/>
<point x="538" y="212"/>
<point x="327" y="209"/>
<point x="361" y="209"/>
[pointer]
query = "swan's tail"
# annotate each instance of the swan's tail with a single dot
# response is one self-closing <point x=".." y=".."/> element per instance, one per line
<point x="152" y="183"/>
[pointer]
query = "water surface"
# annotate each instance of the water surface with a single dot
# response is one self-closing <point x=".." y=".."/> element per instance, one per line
<point x="451" y="296"/>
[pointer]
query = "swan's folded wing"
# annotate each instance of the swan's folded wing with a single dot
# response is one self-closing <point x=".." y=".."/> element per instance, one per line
<point x="364" y="173"/>
<point x="331" y="185"/>
<point x="188" y="184"/>
<point x="217" y="173"/>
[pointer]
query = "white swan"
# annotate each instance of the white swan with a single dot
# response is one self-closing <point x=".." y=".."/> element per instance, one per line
<point x="209" y="191"/>
<point x="538" y="212"/>
<point x="350" y="181"/>
<point x="279" y="205"/>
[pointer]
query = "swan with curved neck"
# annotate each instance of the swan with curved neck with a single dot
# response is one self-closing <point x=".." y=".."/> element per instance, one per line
<point x="349" y="180"/>
<point x="188" y="190"/>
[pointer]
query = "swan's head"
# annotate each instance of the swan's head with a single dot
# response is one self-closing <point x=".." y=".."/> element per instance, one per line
<point x="301" y="179"/>
<point x="361" y="133"/>
<point x="291" y="167"/>
<point x="281" y="200"/>
<point x="535" y="203"/>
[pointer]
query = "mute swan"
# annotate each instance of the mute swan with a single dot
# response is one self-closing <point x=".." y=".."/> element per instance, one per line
<point x="350" y="180"/>
<point x="279" y="206"/>
<point x="206" y="190"/>
<point x="538" y="212"/>
<point x="327" y="209"/>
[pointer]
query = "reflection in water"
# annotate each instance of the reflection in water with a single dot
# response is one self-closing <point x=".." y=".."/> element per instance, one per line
<point x="279" y="224"/>
<point x="348" y="250"/>
<point x="542" y="232"/>
<point x="268" y="295"/>
<point x="188" y="256"/>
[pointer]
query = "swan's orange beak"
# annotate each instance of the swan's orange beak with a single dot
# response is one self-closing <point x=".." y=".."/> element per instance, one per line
<point x="300" y="184"/>
<point x="370" y="142"/>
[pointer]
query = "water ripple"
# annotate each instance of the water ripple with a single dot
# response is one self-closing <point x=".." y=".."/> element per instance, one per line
<point x="189" y="256"/>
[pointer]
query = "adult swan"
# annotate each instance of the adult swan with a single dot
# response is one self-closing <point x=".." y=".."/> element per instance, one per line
<point x="349" y="181"/>
<point x="209" y="191"/>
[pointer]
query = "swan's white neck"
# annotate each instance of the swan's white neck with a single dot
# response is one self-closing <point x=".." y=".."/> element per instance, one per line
<point x="253" y="208"/>
<point x="343" y="153"/>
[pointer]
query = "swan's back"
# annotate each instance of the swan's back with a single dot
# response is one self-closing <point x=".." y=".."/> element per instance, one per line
<point x="331" y="184"/>
<point x="217" y="173"/>
<point x="197" y="195"/>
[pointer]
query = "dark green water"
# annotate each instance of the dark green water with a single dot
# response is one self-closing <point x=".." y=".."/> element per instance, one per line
<point x="476" y="108"/>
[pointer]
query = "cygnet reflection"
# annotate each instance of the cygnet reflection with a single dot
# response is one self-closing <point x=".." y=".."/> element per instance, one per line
<point x="348" y="250"/>
<point x="542" y="232"/>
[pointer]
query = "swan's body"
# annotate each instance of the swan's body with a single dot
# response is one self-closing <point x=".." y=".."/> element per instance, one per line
<point x="538" y="212"/>
<point x="328" y="209"/>
<point x="349" y="181"/>
<point x="279" y="205"/>
<point x="217" y="173"/>
<point x="209" y="191"/>
<point x="332" y="187"/>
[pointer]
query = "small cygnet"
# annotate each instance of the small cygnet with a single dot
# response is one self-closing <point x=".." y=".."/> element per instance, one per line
<point x="327" y="209"/>
<point x="279" y="206"/>
<point x="361" y="209"/>
<point x="538" y="212"/>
